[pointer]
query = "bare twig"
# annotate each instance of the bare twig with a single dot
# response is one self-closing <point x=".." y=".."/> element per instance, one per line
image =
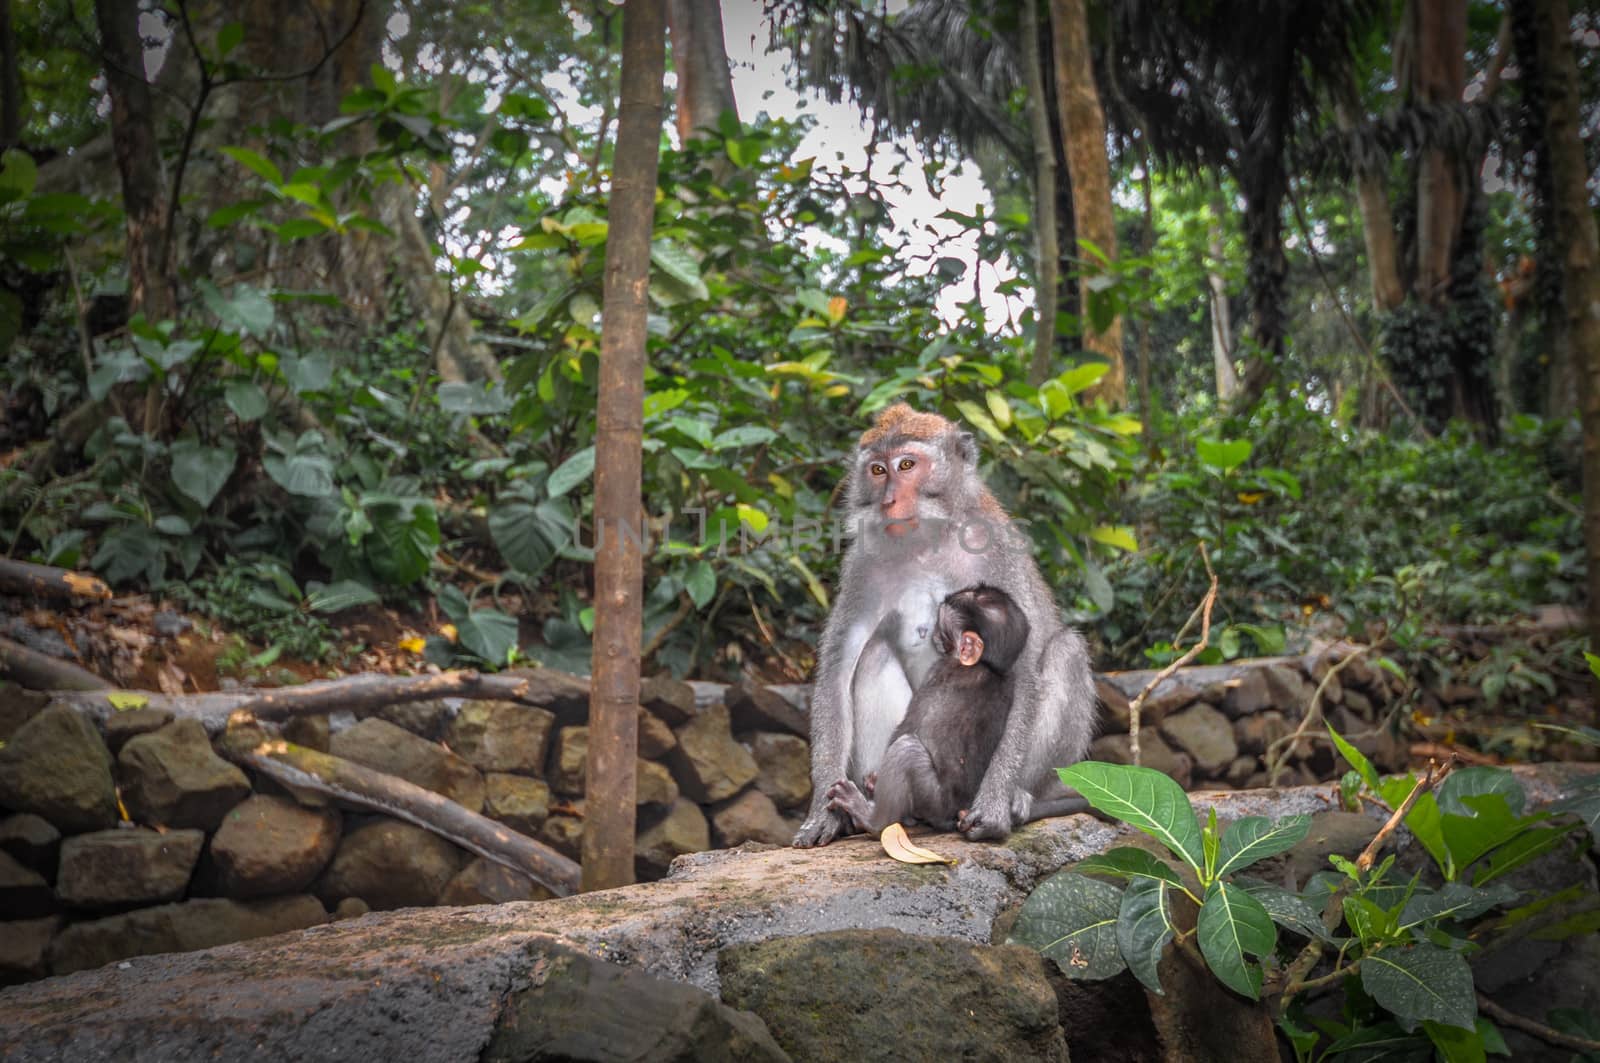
<point x="1313" y="712"/>
<point x="1294" y="978"/>
<point x="1537" y="1029"/>
<point x="1137" y="705"/>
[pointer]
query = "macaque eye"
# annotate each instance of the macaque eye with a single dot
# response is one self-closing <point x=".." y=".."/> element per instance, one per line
<point x="906" y="464"/>
<point x="878" y="469"/>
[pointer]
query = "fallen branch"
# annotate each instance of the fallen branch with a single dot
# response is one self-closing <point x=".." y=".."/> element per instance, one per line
<point x="1537" y="1029"/>
<point x="38" y="671"/>
<point x="1137" y="704"/>
<point x="299" y="768"/>
<point x="46" y="581"/>
<point x="542" y="688"/>
<point x="364" y="693"/>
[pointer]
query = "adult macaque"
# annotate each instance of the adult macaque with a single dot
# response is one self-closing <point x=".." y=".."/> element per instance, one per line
<point x="924" y="525"/>
<point x="938" y="755"/>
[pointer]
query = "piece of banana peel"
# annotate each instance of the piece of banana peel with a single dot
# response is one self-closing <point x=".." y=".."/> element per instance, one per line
<point x="900" y="847"/>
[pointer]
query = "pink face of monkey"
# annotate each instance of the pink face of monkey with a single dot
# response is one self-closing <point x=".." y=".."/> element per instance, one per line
<point x="896" y="480"/>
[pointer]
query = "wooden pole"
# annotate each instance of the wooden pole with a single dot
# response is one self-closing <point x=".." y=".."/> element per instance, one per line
<point x="618" y="570"/>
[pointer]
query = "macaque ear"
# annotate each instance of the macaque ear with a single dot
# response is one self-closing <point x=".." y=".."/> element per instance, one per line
<point x="967" y="447"/>
<point x="969" y="649"/>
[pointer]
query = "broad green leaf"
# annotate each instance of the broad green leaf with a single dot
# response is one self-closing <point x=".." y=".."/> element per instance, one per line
<point x="172" y="524"/>
<point x="743" y="436"/>
<point x="570" y="473"/>
<point x="18" y="175"/>
<point x="999" y="408"/>
<point x="1097" y="587"/>
<point x="1357" y="760"/>
<point x="473" y="397"/>
<point x="251" y="309"/>
<point x="308" y="475"/>
<point x="1586" y="806"/>
<point x="659" y="402"/>
<point x="530" y="535"/>
<point x="1521" y="850"/>
<point x="1143" y="798"/>
<point x="1456" y="1045"/>
<point x="229" y="38"/>
<point x="1367" y="920"/>
<point x="1468" y="782"/>
<point x="1233" y="926"/>
<point x="256" y="163"/>
<point x="199" y="471"/>
<point x="1082" y="377"/>
<point x="1144" y="926"/>
<point x="343" y="594"/>
<point x="1073" y="920"/>
<point x="701" y="583"/>
<point x="307" y="372"/>
<point x="400" y="550"/>
<point x="1125" y="861"/>
<point x="1224" y="454"/>
<point x="1421" y="982"/>
<point x="1288" y="910"/>
<point x="1467" y="837"/>
<point x="489" y="634"/>
<point x="1254" y="838"/>
<point x="246" y="399"/>
<point x="678" y="263"/>
<point x="979" y="418"/>
<point x="1455" y="900"/>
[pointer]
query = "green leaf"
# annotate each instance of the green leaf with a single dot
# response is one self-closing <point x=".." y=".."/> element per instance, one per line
<point x="488" y="634"/>
<point x="979" y="418"/>
<point x="678" y="263"/>
<point x="530" y="535"/>
<point x="1456" y="1045"/>
<point x="1490" y="824"/>
<point x="343" y="594"/>
<point x="1520" y="851"/>
<point x="1586" y="806"/>
<point x="701" y="583"/>
<point x="1144" y="926"/>
<point x="400" y="549"/>
<point x="1082" y="377"/>
<point x="1421" y="982"/>
<point x="1223" y="454"/>
<point x="1367" y="921"/>
<point x="309" y="475"/>
<point x="1127" y="862"/>
<point x="1455" y="900"/>
<point x="1144" y="798"/>
<point x="1254" y="838"/>
<point x="743" y="436"/>
<point x="1288" y="910"/>
<point x="1469" y="782"/>
<point x="245" y="398"/>
<point x="18" y="175"/>
<point x="229" y="37"/>
<point x="570" y="473"/>
<point x="1073" y="920"/>
<point x="1233" y="925"/>
<point x="1357" y="760"/>
<point x="172" y="524"/>
<point x="255" y="163"/>
<point x="199" y="471"/>
<point x="1423" y="819"/>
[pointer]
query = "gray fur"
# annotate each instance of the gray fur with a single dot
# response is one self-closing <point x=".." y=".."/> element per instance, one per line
<point x="1054" y="711"/>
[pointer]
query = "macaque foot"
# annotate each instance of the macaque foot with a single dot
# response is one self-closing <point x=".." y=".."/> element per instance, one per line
<point x="820" y="828"/>
<point x="845" y="799"/>
<point x="981" y="825"/>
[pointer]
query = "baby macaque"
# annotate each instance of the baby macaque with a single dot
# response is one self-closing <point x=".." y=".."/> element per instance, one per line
<point x="939" y="754"/>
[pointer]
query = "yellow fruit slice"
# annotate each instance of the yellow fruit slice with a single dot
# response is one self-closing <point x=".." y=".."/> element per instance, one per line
<point x="899" y="847"/>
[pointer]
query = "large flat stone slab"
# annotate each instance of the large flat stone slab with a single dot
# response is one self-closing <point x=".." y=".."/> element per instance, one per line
<point x="426" y="984"/>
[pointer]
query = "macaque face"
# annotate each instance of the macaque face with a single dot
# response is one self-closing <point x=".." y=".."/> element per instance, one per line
<point x="896" y="478"/>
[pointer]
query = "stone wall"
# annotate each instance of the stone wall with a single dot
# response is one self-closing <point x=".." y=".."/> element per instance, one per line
<point x="137" y="838"/>
<point x="197" y="853"/>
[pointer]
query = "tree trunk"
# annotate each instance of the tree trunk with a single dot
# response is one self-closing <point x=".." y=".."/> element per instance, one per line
<point x="1439" y="35"/>
<point x="1377" y="220"/>
<point x="133" y="134"/>
<point x="619" y="580"/>
<point x="1046" y="246"/>
<point x="1083" y="133"/>
<point x="1221" y="316"/>
<point x="1579" y="251"/>
<point x="700" y="59"/>
<point x="10" y="81"/>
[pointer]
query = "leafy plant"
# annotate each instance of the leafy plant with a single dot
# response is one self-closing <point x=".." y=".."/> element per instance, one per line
<point x="1399" y="945"/>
